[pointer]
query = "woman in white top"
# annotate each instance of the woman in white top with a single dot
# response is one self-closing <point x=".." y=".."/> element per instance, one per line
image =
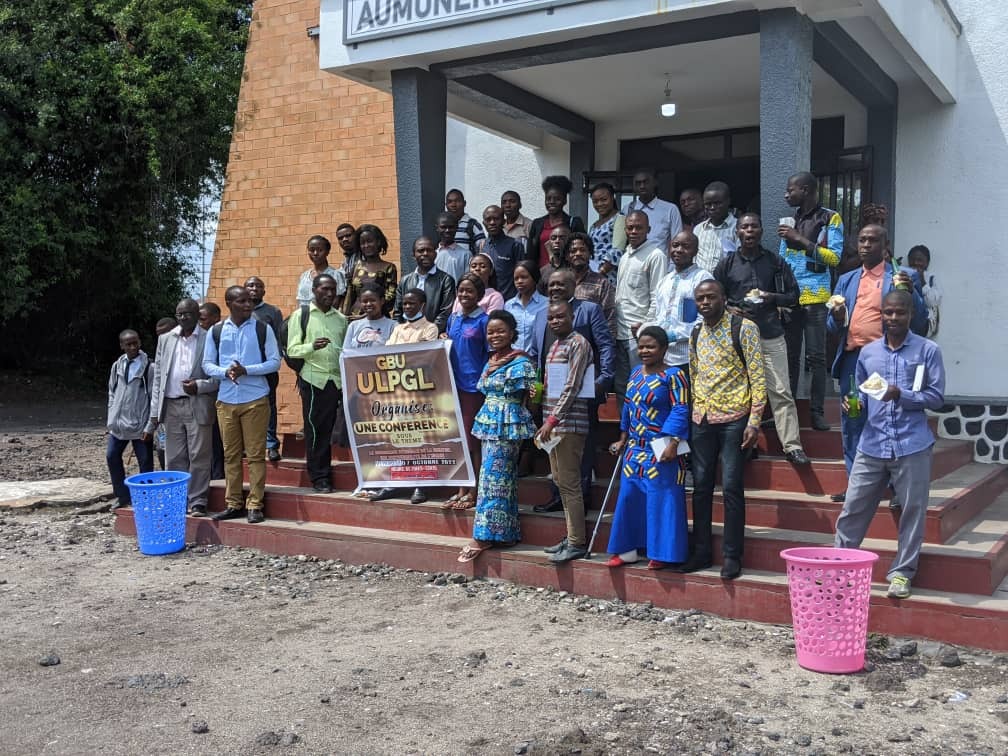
<point x="318" y="253"/>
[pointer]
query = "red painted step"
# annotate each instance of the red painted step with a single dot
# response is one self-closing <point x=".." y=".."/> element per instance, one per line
<point x="756" y="595"/>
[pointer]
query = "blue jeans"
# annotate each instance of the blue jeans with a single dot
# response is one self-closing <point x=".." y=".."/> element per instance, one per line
<point x="709" y="442"/>
<point x="850" y="428"/>
<point x="144" y="451"/>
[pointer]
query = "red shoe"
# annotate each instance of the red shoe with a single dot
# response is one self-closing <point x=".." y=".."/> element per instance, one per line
<point x="654" y="564"/>
<point x="615" y="561"/>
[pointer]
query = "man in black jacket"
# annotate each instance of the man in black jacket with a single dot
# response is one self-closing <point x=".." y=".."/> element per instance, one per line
<point x="436" y="284"/>
<point x="758" y="282"/>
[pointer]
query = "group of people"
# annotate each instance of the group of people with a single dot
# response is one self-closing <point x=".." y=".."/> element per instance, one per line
<point x="680" y="311"/>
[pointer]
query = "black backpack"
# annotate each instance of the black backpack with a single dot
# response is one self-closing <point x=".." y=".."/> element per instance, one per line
<point x="736" y="337"/>
<point x="294" y="363"/>
<point x="272" y="379"/>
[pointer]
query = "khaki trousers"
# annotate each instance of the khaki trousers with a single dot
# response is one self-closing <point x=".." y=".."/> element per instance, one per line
<point x="243" y="428"/>
<point x="778" y="388"/>
<point x="565" y="464"/>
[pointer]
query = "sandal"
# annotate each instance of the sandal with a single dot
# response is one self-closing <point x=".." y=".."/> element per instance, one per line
<point x="465" y="502"/>
<point x="469" y="552"/>
<point x="450" y="502"/>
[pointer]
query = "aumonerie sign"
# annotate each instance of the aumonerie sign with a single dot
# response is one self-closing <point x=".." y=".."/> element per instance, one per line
<point x="373" y="19"/>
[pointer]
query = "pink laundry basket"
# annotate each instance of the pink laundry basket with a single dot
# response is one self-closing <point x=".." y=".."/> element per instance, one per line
<point x="829" y="591"/>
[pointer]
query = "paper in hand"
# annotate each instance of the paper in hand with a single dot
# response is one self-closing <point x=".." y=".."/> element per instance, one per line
<point x="658" y="446"/>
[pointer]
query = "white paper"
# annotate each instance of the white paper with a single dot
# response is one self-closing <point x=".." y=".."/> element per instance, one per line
<point x="789" y="222"/>
<point x="547" y="446"/>
<point x="875" y="393"/>
<point x="556" y="377"/>
<point x="658" y="446"/>
<point x="918" y="383"/>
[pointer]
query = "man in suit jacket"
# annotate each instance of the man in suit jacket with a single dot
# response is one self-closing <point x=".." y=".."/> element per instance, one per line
<point x="436" y="284"/>
<point x="858" y="321"/>
<point x="183" y="399"/>
<point x="590" y="322"/>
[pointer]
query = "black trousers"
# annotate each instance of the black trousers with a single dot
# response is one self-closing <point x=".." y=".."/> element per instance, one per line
<point x="711" y="441"/>
<point x="808" y="324"/>
<point x="318" y="409"/>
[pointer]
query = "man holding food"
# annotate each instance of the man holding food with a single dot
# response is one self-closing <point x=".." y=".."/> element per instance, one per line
<point x="757" y="282"/>
<point x="855" y="314"/>
<point x="899" y="376"/>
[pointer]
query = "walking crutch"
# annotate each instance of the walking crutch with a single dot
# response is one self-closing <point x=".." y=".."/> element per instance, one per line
<point x="608" y="493"/>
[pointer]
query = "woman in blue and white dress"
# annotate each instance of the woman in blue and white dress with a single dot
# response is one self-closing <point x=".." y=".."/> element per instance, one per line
<point x="608" y="233"/>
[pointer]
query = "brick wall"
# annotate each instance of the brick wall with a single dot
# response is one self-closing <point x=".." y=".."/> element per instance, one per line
<point x="310" y="151"/>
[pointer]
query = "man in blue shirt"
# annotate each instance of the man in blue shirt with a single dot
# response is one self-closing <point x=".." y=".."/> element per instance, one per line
<point x="240" y="353"/>
<point x="896" y="442"/>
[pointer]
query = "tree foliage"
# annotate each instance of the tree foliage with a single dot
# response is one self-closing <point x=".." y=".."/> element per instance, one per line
<point x="115" y="118"/>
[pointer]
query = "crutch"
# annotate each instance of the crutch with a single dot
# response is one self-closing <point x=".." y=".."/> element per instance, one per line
<point x="608" y="493"/>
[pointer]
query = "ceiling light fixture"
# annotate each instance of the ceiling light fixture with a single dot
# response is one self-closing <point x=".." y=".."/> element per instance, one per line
<point x="668" y="108"/>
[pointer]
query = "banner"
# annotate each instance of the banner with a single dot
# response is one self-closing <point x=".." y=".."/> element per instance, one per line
<point x="403" y="417"/>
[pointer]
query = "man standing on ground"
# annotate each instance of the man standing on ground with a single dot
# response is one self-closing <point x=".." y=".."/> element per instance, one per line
<point x="663" y="217"/>
<point x="896" y="442"/>
<point x="183" y="399"/>
<point x="742" y="273"/>
<point x="128" y="421"/>
<point x="691" y="208"/>
<point x="240" y="353"/>
<point x="858" y="321"/>
<point x="675" y="308"/>
<point x="271" y="316"/>
<point x="642" y="266"/>
<point x="436" y="284"/>
<point x="716" y="236"/>
<point x="726" y="374"/>
<point x="811" y="247"/>
<point x="502" y="250"/>
<point x="566" y="415"/>
<point x="451" y="257"/>
<point x="469" y="233"/>
<point x="516" y="225"/>
<point x="320" y="386"/>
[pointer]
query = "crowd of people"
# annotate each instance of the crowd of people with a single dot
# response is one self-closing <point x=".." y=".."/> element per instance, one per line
<point x="680" y="311"/>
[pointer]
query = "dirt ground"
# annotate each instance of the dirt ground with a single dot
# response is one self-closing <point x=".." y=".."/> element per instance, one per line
<point x="217" y="650"/>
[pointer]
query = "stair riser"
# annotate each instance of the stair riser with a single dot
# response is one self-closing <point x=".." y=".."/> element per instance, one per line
<point x="740" y="599"/>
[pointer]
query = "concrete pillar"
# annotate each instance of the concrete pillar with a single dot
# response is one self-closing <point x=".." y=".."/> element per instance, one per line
<point x="785" y="110"/>
<point x="582" y="159"/>
<point x="882" y="138"/>
<point x="420" y="111"/>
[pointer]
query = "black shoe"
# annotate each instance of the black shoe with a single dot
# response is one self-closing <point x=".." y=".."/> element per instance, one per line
<point x="556" y="547"/>
<point x="255" y="515"/>
<point x="273" y="455"/>
<point x="198" y="510"/>
<point x="553" y="505"/>
<point x="819" y="423"/>
<point x="383" y="494"/>
<point x="797" y="457"/>
<point x="839" y="497"/>
<point x="731" y="568"/>
<point x="322" y="487"/>
<point x="695" y="564"/>
<point x="418" y="497"/>
<point x="568" y="553"/>
<point x="228" y="514"/>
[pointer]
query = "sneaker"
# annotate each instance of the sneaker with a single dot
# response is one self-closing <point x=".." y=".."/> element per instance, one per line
<point x="899" y="588"/>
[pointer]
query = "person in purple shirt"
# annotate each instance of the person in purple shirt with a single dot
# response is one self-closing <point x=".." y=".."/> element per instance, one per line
<point x="896" y="442"/>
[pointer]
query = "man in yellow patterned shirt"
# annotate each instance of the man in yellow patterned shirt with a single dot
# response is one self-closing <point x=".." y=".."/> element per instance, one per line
<point x="729" y="394"/>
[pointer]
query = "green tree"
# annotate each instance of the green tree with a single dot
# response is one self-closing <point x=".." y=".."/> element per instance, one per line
<point x="115" y="118"/>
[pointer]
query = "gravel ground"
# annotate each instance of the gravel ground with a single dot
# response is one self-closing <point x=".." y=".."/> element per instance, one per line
<point x="219" y="650"/>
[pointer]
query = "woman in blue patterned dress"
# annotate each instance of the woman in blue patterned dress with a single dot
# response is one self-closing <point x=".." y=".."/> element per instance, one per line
<point x="608" y="233"/>
<point x="651" y="508"/>
<point x="502" y="424"/>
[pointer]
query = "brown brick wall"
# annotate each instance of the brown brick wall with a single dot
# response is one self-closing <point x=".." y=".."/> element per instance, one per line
<point x="310" y="151"/>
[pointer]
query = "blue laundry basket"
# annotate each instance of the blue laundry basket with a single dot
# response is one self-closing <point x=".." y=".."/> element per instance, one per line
<point x="159" y="510"/>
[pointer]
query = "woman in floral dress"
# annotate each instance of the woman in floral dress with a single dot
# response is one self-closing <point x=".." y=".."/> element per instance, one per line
<point x="502" y="424"/>
<point x="608" y="233"/>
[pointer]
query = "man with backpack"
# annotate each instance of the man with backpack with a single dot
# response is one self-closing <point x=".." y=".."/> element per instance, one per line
<point x="314" y="342"/>
<point x="129" y="421"/>
<point x="757" y="283"/>
<point x="729" y="394"/>
<point x="241" y="353"/>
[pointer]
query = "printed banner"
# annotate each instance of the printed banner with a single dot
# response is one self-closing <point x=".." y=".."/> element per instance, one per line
<point x="404" y="418"/>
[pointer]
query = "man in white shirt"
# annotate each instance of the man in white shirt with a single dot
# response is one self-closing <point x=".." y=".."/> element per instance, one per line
<point x="642" y="266"/>
<point x="663" y="217"/>
<point x="452" y="258"/>
<point x="716" y="236"/>
<point x="675" y="308"/>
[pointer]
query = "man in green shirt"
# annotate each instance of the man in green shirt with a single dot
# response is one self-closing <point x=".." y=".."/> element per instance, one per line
<point x="319" y="345"/>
